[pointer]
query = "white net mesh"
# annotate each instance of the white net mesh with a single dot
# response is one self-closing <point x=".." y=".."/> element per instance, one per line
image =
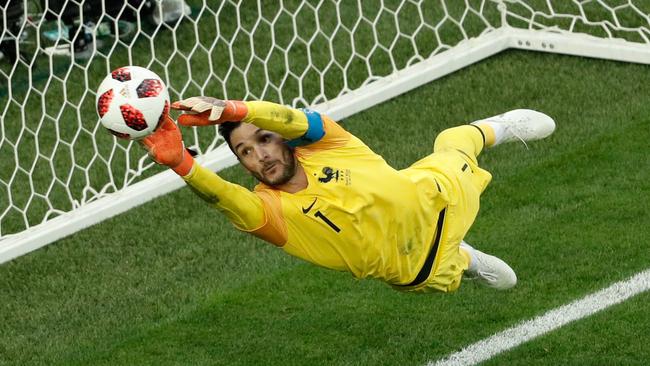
<point x="624" y="19"/>
<point x="55" y="158"/>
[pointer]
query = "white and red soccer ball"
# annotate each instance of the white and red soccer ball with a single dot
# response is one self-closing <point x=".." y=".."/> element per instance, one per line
<point x="132" y="102"/>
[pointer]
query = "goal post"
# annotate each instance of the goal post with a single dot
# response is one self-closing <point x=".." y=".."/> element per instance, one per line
<point x="61" y="172"/>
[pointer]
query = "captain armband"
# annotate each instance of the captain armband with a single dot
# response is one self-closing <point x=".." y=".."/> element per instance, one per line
<point x="315" y="130"/>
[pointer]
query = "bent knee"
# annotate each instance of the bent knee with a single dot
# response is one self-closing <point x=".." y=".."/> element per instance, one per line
<point x="466" y="139"/>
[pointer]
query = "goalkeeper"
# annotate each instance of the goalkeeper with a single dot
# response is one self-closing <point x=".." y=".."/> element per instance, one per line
<point x="326" y="197"/>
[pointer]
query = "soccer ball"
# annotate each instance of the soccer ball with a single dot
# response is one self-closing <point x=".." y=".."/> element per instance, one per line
<point x="132" y="102"/>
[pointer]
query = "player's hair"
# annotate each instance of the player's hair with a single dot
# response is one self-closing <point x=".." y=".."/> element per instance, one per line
<point x="225" y="130"/>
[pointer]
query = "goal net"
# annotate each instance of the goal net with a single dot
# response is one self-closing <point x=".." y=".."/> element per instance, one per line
<point x="60" y="171"/>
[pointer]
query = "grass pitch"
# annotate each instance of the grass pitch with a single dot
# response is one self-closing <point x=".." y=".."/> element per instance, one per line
<point x="172" y="283"/>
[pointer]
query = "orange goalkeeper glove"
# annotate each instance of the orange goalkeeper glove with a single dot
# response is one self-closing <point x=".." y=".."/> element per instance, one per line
<point x="205" y="111"/>
<point x="165" y="146"/>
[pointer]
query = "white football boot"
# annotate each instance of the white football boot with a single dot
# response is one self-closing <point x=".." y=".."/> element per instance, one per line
<point x="489" y="270"/>
<point x="520" y="125"/>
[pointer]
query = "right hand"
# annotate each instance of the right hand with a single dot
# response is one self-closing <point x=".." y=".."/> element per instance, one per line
<point x="205" y="111"/>
<point x="165" y="146"/>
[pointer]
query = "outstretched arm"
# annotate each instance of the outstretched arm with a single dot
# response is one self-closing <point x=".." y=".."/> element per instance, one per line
<point x="300" y="127"/>
<point x="242" y="207"/>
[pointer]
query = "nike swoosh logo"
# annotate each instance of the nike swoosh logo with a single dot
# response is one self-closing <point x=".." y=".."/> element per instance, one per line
<point x="305" y="210"/>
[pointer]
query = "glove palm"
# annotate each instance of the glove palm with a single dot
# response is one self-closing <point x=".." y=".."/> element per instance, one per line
<point x="165" y="146"/>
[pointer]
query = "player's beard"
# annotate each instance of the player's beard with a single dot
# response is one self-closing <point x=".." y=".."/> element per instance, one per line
<point x="287" y="168"/>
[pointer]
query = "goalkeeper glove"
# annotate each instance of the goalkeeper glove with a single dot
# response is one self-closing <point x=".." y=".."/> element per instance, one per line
<point x="205" y="111"/>
<point x="165" y="146"/>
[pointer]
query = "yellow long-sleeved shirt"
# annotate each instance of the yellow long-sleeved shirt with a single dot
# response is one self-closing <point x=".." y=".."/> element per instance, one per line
<point x="357" y="213"/>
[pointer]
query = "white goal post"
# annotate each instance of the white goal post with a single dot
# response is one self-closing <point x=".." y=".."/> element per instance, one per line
<point x="61" y="172"/>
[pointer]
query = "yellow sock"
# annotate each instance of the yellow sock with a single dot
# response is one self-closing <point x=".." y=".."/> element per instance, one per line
<point x="488" y="132"/>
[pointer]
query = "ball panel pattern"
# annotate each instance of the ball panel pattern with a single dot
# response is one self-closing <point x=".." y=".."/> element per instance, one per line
<point x="121" y="74"/>
<point x="133" y="117"/>
<point x="104" y="102"/>
<point x="149" y="88"/>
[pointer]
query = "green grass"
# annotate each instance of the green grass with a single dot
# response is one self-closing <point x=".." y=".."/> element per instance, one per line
<point x="171" y="283"/>
<point x="614" y="337"/>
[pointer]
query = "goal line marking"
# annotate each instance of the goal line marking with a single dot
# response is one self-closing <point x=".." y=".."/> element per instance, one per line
<point x="551" y="320"/>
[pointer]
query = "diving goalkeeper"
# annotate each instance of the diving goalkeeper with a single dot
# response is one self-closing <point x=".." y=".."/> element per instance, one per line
<point x="326" y="197"/>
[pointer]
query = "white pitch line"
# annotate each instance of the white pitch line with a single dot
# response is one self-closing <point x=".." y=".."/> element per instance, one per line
<point x="553" y="319"/>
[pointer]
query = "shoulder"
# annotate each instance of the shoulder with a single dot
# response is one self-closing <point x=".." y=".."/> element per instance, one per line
<point x="334" y="136"/>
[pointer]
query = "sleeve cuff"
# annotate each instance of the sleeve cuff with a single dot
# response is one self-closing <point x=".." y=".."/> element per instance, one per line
<point x="315" y="130"/>
<point x="185" y="167"/>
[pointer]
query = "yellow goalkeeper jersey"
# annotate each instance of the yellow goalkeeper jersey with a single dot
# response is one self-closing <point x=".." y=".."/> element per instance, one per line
<point x="357" y="214"/>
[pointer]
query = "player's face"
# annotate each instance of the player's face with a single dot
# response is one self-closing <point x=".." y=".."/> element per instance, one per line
<point x="264" y="154"/>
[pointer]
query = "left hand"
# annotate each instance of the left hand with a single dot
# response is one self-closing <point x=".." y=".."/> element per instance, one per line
<point x="206" y="111"/>
<point x="202" y="105"/>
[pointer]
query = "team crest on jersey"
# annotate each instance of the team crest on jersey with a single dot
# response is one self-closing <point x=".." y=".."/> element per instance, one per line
<point x="329" y="174"/>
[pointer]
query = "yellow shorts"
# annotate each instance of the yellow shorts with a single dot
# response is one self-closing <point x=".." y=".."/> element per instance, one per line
<point x="453" y="164"/>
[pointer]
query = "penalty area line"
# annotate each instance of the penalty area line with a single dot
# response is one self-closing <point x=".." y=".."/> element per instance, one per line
<point x="551" y="320"/>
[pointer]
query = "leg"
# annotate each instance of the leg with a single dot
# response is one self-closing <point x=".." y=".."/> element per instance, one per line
<point x="454" y="172"/>
<point x="491" y="271"/>
<point x="468" y="139"/>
